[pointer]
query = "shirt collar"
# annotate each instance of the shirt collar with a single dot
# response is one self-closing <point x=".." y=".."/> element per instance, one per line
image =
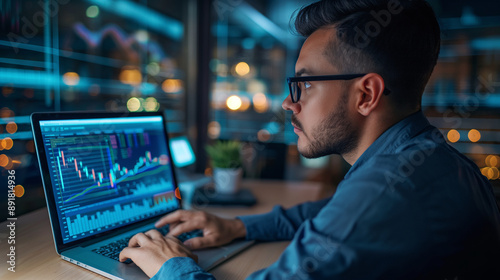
<point x="392" y="138"/>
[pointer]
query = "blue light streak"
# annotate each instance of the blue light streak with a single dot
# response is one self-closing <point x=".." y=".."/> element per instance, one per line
<point x="261" y="22"/>
<point x="41" y="79"/>
<point x="73" y="55"/>
<point x="486" y="44"/>
<point x="28" y="78"/>
<point x="143" y="15"/>
<point x="23" y="62"/>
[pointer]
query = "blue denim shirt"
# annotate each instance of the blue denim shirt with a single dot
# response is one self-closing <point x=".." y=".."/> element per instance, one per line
<point x="410" y="207"/>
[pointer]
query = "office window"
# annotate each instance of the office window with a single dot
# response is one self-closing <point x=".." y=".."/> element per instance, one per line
<point x="462" y="97"/>
<point x="119" y="55"/>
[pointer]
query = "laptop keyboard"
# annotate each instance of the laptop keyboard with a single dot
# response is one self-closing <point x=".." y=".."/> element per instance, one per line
<point x="113" y="249"/>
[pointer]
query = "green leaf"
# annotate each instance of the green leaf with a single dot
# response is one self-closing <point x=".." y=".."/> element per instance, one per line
<point x="225" y="154"/>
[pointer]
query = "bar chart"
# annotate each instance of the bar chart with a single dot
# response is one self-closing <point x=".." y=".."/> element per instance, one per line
<point x="120" y="213"/>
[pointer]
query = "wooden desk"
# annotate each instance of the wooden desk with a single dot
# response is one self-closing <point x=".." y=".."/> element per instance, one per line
<point x="36" y="257"/>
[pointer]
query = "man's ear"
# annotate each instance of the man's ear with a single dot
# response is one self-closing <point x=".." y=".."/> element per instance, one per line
<point x="369" y="90"/>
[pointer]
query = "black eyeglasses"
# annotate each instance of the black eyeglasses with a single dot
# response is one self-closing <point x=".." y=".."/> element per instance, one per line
<point x="296" y="83"/>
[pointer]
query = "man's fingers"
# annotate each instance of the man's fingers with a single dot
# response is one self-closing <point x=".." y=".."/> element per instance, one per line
<point x="173" y="238"/>
<point x="181" y="228"/>
<point x="127" y="253"/>
<point x="171" y="226"/>
<point x="138" y="240"/>
<point x="154" y="234"/>
<point x="198" y="243"/>
<point x="171" y="218"/>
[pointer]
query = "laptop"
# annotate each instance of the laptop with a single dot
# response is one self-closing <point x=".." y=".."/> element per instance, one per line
<point x="106" y="177"/>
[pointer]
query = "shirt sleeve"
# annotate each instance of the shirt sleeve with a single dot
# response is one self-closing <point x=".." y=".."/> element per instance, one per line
<point x="182" y="268"/>
<point x="280" y="224"/>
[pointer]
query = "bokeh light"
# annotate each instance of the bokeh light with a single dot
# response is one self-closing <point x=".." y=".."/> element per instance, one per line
<point x="474" y="135"/>
<point x="453" y="136"/>
<point x="6" y="91"/>
<point x="491" y="173"/>
<point x="171" y="85"/>
<point x="92" y="11"/>
<point x="213" y="130"/>
<point x="491" y="161"/>
<point x="233" y="102"/>
<point x="11" y="127"/>
<point x="142" y="36"/>
<point x="4" y="160"/>
<point x="130" y="76"/>
<point x="19" y="190"/>
<point x="242" y="69"/>
<point x="255" y="86"/>
<point x="151" y="104"/>
<point x="484" y="171"/>
<point x="260" y="103"/>
<point x="153" y="68"/>
<point x="134" y="104"/>
<point x="263" y="135"/>
<point x="6" y="113"/>
<point x="10" y="165"/>
<point x="71" y="78"/>
<point x="6" y="144"/>
<point x="494" y="172"/>
<point x="245" y="103"/>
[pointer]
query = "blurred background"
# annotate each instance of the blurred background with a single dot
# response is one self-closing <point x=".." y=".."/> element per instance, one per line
<point x="217" y="69"/>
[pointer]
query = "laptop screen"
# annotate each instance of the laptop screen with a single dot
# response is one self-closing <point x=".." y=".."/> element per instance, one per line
<point x="107" y="172"/>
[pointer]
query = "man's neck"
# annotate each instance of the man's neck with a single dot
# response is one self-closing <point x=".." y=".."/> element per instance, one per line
<point x="371" y="130"/>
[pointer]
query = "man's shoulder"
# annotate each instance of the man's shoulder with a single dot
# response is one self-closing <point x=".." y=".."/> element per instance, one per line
<point x="422" y="160"/>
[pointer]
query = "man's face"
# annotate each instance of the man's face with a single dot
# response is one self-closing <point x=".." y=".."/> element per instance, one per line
<point x="321" y="117"/>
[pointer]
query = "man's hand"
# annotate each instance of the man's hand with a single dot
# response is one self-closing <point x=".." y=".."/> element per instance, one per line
<point x="151" y="250"/>
<point x="216" y="231"/>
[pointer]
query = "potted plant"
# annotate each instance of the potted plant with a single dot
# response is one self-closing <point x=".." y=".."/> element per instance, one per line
<point x="226" y="162"/>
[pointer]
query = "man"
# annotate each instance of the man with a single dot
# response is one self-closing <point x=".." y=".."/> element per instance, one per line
<point x="411" y="207"/>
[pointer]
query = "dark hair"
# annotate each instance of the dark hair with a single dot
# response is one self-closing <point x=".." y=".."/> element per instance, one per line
<point x="399" y="40"/>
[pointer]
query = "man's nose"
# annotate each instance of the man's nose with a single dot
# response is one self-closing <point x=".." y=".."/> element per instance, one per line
<point x="290" y="106"/>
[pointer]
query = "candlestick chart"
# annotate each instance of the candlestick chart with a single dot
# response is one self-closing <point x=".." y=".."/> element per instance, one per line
<point x="98" y="170"/>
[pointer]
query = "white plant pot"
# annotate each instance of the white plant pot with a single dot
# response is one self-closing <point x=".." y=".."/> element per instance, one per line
<point x="227" y="180"/>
